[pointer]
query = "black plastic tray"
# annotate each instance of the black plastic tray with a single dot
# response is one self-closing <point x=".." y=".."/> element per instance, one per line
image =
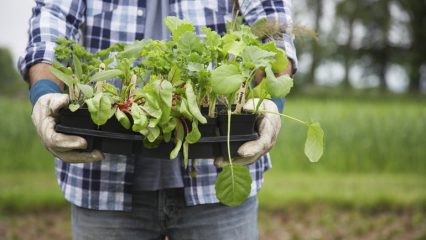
<point x="127" y="144"/>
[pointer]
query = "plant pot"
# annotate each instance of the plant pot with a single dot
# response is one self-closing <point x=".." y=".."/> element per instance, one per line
<point x="109" y="138"/>
<point x="78" y="119"/>
<point x="126" y="141"/>
<point x="205" y="147"/>
<point x="242" y="130"/>
<point x="116" y="145"/>
<point x="162" y="151"/>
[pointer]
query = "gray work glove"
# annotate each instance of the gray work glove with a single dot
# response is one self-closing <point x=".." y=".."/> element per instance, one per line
<point x="268" y="125"/>
<point x="63" y="146"/>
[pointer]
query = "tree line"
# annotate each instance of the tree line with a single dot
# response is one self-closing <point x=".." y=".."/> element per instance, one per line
<point x="375" y="35"/>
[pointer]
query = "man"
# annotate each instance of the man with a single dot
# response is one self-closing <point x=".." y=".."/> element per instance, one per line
<point x="132" y="197"/>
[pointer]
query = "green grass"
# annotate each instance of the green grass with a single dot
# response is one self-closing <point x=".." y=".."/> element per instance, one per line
<point x="34" y="190"/>
<point x="19" y="144"/>
<point x="354" y="190"/>
<point x="20" y="191"/>
<point x="361" y="135"/>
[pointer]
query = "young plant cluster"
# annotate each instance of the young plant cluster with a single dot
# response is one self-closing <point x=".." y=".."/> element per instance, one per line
<point x="157" y="88"/>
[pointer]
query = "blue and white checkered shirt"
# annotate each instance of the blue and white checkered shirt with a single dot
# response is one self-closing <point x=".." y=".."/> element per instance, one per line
<point x="107" y="185"/>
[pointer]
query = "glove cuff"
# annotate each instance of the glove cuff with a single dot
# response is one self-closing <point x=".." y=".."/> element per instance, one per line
<point x="42" y="87"/>
<point x="280" y="103"/>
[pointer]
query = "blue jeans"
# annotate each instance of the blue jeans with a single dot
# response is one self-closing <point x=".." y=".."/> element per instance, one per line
<point x="157" y="214"/>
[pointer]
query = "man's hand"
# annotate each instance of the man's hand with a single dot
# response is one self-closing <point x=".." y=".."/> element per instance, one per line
<point x="62" y="146"/>
<point x="268" y="125"/>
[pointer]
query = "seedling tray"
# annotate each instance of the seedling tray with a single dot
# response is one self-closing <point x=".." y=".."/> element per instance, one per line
<point x="211" y="147"/>
<point x="113" y="138"/>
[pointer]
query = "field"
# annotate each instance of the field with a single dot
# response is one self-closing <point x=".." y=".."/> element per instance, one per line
<point x="370" y="184"/>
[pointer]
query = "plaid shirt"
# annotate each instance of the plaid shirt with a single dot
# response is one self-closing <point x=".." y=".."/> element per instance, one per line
<point x="107" y="185"/>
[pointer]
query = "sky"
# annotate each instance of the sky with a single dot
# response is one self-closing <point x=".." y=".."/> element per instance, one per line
<point x="14" y="16"/>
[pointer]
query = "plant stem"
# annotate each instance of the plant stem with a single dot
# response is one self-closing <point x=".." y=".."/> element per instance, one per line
<point x="228" y="138"/>
<point x="286" y="116"/>
<point x="229" y="149"/>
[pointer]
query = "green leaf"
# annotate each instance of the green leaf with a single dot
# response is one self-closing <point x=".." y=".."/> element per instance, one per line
<point x="100" y="108"/>
<point x="212" y="38"/>
<point x="278" y="87"/>
<point x="140" y="120"/>
<point x="195" y="135"/>
<point x="122" y="118"/>
<point x="195" y="67"/>
<point x="165" y="93"/>
<point x="86" y="90"/>
<point x="235" y="48"/>
<point x="226" y="79"/>
<point x="280" y="61"/>
<point x="169" y="126"/>
<point x="189" y="42"/>
<point x="233" y="185"/>
<point x="183" y="109"/>
<point x="109" y="88"/>
<point x="314" y="145"/>
<point x="260" y="91"/>
<point x="133" y="50"/>
<point x="192" y="103"/>
<point x="177" y="26"/>
<point x="65" y="78"/>
<point x="254" y="56"/>
<point x="74" y="107"/>
<point x="178" y="141"/>
<point x="174" y="75"/>
<point x="105" y="75"/>
<point x="77" y="66"/>
<point x="153" y="133"/>
<point x="164" y="90"/>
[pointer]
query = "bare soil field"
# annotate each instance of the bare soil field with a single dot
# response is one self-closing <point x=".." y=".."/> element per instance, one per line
<point x="313" y="222"/>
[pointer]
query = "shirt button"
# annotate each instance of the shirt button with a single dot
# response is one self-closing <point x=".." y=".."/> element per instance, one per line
<point x="140" y="12"/>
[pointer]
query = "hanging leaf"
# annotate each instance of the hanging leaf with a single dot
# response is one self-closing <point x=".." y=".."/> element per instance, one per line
<point x="178" y="141"/>
<point x="278" y="87"/>
<point x="192" y="103"/>
<point x="195" y="135"/>
<point x="122" y="118"/>
<point x="314" y="145"/>
<point x="233" y="185"/>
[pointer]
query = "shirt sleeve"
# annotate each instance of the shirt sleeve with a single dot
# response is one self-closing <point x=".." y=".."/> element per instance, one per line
<point x="50" y="19"/>
<point x="273" y="10"/>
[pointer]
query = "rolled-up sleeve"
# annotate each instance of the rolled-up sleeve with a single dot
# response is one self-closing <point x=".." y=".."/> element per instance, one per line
<point x="50" y="19"/>
<point x="273" y="10"/>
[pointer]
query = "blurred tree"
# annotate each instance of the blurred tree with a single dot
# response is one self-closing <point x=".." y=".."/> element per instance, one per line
<point x="316" y="48"/>
<point x="347" y="12"/>
<point x="416" y="9"/>
<point x="10" y="80"/>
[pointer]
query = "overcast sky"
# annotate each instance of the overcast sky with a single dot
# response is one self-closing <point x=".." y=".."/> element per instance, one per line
<point x="14" y="17"/>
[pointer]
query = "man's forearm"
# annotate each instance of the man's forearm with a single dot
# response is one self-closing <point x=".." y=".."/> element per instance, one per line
<point x="41" y="71"/>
